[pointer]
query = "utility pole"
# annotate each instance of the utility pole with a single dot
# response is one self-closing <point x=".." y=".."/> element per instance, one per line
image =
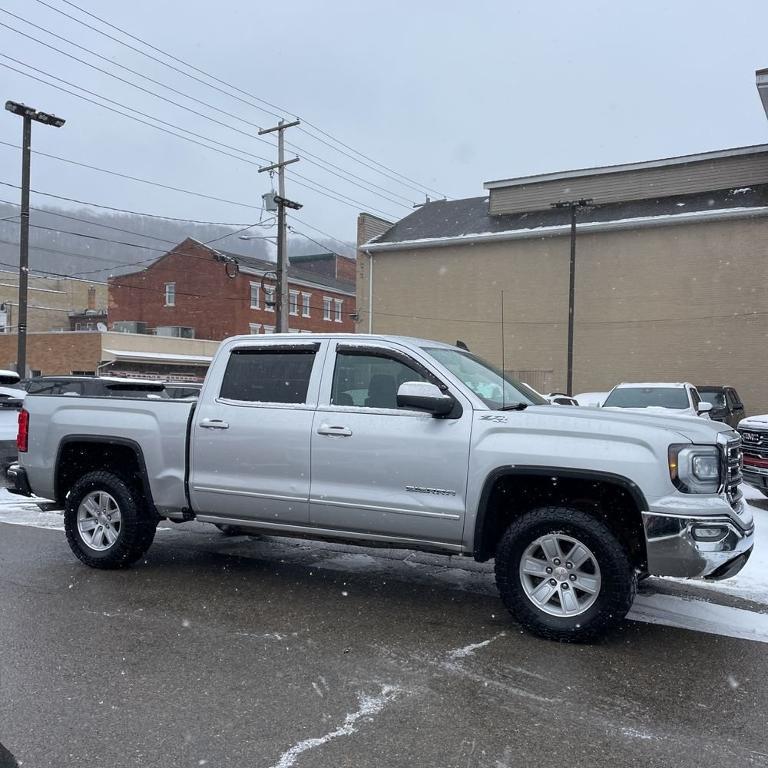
<point x="281" y="297"/>
<point x="574" y="206"/>
<point x="28" y="114"/>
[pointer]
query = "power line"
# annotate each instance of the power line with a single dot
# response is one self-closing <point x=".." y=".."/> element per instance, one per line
<point x="241" y="227"/>
<point x="134" y="178"/>
<point x="307" y="183"/>
<point x="91" y="223"/>
<point x="119" y="210"/>
<point x="310" y="157"/>
<point x="400" y="178"/>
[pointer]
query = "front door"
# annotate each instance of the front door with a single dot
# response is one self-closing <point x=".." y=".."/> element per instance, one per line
<point x="250" y="441"/>
<point x="379" y="469"/>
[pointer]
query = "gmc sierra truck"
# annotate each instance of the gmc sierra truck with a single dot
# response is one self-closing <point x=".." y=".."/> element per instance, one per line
<point x="405" y="443"/>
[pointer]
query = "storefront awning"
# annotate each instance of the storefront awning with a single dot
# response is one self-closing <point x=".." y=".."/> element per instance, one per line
<point x="167" y="358"/>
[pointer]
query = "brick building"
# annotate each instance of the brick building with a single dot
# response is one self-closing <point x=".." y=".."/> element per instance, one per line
<point x="194" y="291"/>
<point x="116" y="354"/>
<point x="671" y="269"/>
<point x="54" y="304"/>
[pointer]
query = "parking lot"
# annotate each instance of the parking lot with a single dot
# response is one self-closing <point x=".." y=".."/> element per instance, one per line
<point x="269" y="652"/>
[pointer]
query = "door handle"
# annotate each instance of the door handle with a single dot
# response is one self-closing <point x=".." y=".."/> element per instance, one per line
<point x="327" y="429"/>
<point x="213" y="424"/>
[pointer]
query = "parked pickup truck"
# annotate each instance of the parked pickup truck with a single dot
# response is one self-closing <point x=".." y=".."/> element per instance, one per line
<point x="404" y="443"/>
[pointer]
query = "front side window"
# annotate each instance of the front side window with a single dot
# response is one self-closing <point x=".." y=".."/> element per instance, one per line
<point x="369" y="381"/>
<point x="170" y="294"/>
<point x="294" y="302"/>
<point x="305" y="299"/>
<point x="487" y="382"/>
<point x="255" y="296"/>
<point x="268" y="375"/>
<point x="338" y="304"/>
<point x="326" y="307"/>
<point x="647" y="397"/>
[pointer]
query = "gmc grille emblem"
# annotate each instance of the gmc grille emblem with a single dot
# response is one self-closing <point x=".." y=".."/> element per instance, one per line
<point x="750" y="437"/>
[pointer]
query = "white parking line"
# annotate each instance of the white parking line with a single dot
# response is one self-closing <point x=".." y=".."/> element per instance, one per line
<point x="700" y="616"/>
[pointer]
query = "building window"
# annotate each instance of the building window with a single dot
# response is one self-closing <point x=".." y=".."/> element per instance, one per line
<point x="339" y="303"/>
<point x="294" y="302"/>
<point x="327" y="307"/>
<point x="269" y="328"/>
<point x="255" y="296"/>
<point x="269" y="299"/>
<point x="254" y="327"/>
<point x="170" y="294"/>
<point x="305" y="297"/>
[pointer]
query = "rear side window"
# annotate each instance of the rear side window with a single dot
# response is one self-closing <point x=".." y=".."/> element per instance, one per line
<point x="268" y="375"/>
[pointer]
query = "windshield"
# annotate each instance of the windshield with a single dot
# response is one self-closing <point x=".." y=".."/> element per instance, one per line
<point x="716" y="398"/>
<point x="647" y="397"/>
<point x="485" y="380"/>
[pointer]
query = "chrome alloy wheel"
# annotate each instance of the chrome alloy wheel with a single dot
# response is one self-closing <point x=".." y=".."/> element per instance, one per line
<point x="98" y="520"/>
<point x="560" y="575"/>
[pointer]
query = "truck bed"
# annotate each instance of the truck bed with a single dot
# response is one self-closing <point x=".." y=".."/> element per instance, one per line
<point x="158" y="427"/>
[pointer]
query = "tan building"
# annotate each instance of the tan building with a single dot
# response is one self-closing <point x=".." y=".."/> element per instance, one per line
<point x="671" y="279"/>
<point x="55" y="303"/>
<point x="115" y="354"/>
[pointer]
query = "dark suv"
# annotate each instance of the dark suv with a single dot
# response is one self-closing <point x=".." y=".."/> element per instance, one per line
<point x="91" y="386"/>
<point x="726" y="404"/>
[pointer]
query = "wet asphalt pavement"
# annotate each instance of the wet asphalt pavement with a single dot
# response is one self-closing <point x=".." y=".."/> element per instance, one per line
<point x="252" y="653"/>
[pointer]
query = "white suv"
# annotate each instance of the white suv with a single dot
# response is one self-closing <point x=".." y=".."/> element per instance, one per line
<point x="680" y="399"/>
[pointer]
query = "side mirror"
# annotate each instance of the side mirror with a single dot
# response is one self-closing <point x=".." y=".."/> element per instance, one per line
<point x="704" y="407"/>
<point x="423" y="396"/>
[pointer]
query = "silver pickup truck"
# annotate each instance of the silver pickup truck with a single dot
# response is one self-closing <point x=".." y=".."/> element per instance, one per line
<point x="406" y="443"/>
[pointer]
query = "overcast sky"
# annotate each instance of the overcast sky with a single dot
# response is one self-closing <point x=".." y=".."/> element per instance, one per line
<point x="448" y="94"/>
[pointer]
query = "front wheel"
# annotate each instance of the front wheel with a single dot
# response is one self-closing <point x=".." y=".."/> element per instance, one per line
<point x="105" y="521"/>
<point x="564" y="575"/>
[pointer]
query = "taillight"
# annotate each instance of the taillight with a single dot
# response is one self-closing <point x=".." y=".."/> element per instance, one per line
<point x="22" y="437"/>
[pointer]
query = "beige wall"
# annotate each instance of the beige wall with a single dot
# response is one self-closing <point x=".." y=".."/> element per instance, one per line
<point x="685" y="302"/>
<point x="50" y="300"/>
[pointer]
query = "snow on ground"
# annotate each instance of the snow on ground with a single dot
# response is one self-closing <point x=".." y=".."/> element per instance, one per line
<point x="670" y="610"/>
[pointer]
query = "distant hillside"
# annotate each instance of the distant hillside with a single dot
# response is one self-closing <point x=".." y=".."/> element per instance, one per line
<point x="55" y="244"/>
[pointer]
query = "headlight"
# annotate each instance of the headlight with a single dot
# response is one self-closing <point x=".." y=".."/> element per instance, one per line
<point x="695" y="468"/>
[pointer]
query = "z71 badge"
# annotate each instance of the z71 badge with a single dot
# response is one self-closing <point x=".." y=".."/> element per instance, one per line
<point x="498" y="418"/>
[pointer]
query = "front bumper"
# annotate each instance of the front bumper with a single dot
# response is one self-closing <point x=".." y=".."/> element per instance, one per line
<point x="18" y="482"/>
<point x="755" y="475"/>
<point x="676" y="547"/>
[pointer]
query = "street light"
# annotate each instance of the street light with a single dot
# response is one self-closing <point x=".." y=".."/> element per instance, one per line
<point x="28" y="114"/>
<point x="257" y="237"/>
<point x="574" y="206"/>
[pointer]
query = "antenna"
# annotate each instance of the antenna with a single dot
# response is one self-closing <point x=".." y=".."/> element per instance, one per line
<point x="503" y="361"/>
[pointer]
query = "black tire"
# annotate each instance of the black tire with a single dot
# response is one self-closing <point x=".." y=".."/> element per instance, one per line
<point x="137" y="525"/>
<point x="618" y="579"/>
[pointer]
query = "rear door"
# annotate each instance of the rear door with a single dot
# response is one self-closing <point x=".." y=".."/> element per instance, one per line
<point x="381" y="470"/>
<point x="250" y="436"/>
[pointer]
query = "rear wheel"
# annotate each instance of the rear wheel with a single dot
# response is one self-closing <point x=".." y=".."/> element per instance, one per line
<point x="564" y="575"/>
<point x="106" y="523"/>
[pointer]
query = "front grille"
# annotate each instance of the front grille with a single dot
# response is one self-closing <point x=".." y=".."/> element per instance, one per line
<point x="754" y="443"/>
<point x="732" y="461"/>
